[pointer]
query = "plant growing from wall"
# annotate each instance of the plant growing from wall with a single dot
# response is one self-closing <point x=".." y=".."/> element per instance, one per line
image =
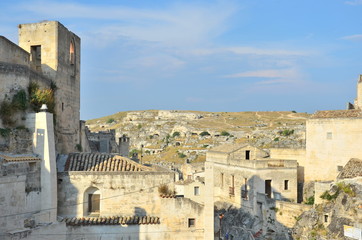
<point x="6" y="113"/>
<point x="20" y="100"/>
<point x="4" y="132"/>
<point x="38" y="97"/>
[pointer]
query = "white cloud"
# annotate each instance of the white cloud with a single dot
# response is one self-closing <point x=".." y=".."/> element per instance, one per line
<point x="270" y="73"/>
<point x="356" y="37"/>
<point x="180" y="24"/>
<point x="354" y="2"/>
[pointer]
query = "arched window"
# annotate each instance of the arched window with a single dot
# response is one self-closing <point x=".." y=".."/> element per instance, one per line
<point x="92" y="196"/>
<point x="71" y="53"/>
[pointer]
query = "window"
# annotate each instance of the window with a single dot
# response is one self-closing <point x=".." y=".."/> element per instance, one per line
<point x="93" y="203"/>
<point x="35" y="53"/>
<point x="325" y="218"/>
<point x="247" y="154"/>
<point x="339" y="168"/>
<point x="268" y="188"/>
<point x="244" y="190"/>
<point x="329" y="135"/>
<point x="71" y="53"/>
<point x="286" y="184"/>
<point x="222" y="180"/>
<point x="191" y="222"/>
<point x="62" y="106"/>
<point x="196" y="191"/>
<point x="92" y="199"/>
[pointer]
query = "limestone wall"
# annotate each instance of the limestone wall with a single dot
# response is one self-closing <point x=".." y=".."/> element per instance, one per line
<point x="287" y="213"/>
<point x="120" y="192"/>
<point x="298" y="154"/>
<point x="331" y="143"/>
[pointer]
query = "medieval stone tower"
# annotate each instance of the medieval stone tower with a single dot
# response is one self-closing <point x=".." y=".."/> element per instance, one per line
<point x="55" y="54"/>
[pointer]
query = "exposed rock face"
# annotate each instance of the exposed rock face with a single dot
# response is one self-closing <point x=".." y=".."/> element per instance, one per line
<point x="180" y="135"/>
<point x="325" y="221"/>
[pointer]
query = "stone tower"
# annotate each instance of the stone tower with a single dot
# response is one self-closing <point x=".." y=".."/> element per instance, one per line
<point x="55" y="54"/>
<point x="358" y="100"/>
<point x="124" y="146"/>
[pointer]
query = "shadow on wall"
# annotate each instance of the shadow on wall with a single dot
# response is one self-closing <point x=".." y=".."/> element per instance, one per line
<point x="260" y="217"/>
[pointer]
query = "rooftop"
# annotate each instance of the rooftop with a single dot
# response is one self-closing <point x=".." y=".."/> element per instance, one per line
<point x="115" y="220"/>
<point x="102" y="162"/>
<point x="19" y="158"/>
<point x="338" y="114"/>
<point x="352" y="169"/>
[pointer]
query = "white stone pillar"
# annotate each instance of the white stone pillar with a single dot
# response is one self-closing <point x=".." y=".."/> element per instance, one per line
<point x="44" y="145"/>
<point x="209" y="201"/>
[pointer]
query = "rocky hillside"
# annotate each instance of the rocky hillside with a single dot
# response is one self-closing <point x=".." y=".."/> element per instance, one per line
<point x="175" y="136"/>
<point x="342" y="206"/>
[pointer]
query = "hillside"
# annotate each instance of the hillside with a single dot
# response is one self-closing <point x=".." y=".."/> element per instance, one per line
<point x="174" y="136"/>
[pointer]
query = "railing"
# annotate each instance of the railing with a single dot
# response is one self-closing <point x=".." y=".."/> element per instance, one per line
<point x="231" y="191"/>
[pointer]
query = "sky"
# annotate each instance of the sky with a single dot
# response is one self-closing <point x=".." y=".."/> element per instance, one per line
<point x="207" y="55"/>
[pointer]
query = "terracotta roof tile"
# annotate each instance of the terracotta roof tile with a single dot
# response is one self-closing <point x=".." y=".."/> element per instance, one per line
<point x="338" y="114"/>
<point x="352" y="169"/>
<point x="114" y="220"/>
<point x="102" y="162"/>
<point x="20" y="158"/>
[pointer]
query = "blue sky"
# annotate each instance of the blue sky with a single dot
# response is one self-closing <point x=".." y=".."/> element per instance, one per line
<point x="228" y="56"/>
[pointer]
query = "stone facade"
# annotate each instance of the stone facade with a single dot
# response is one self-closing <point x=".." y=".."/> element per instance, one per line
<point x="239" y="175"/>
<point x="49" y="55"/>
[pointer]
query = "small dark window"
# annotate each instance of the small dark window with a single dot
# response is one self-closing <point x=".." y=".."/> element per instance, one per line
<point x="222" y="180"/>
<point x="93" y="203"/>
<point x="286" y="184"/>
<point x="196" y="191"/>
<point x="191" y="222"/>
<point x="247" y="154"/>
<point x="62" y="106"/>
<point x="325" y="218"/>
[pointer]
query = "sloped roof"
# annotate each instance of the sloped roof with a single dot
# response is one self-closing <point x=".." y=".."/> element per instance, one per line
<point x="228" y="148"/>
<point x="19" y="158"/>
<point x="352" y="169"/>
<point x="353" y="113"/>
<point x="115" y="220"/>
<point x="102" y="162"/>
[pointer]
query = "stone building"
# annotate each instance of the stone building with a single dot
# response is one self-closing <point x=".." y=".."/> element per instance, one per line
<point x="332" y="139"/>
<point x="243" y="176"/>
<point x="49" y="56"/>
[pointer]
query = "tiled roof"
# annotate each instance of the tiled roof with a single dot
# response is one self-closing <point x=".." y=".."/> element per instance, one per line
<point x="115" y="220"/>
<point x="352" y="169"/>
<point x="338" y="114"/>
<point x="102" y="162"/>
<point x="19" y="158"/>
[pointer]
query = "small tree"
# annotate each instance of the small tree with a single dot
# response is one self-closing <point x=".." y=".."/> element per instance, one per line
<point x="204" y="133"/>
<point x="224" y="133"/>
<point x="176" y="134"/>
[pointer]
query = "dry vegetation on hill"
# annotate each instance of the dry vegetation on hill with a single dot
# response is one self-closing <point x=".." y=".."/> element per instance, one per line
<point x="174" y="136"/>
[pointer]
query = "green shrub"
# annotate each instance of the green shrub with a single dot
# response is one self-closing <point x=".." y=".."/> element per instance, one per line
<point x="346" y="188"/>
<point x="224" y="133"/>
<point x="6" y="113"/>
<point x="79" y="147"/>
<point x="4" y="132"/>
<point x="327" y="196"/>
<point x="276" y="139"/>
<point x="110" y="120"/>
<point x="204" y="133"/>
<point x="181" y="155"/>
<point x="286" y="132"/>
<point x="176" y="134"/>
<point x="20" y="101"/>
<point x="309" y="201"/>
